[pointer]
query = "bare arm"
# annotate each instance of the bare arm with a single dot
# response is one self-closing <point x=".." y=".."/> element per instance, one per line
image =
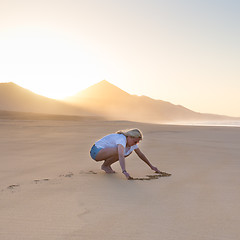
<point x="122" y="161"/>
<point x="144" y="158"/>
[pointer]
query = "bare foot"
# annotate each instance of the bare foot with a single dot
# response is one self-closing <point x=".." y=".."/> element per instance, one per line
<point x="107" y="169"/>
<point x="112" y="169"/>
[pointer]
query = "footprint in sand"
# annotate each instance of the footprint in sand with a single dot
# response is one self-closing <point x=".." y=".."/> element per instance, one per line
<point x="13" y="187"/>
<point x="89" y="172"/>
<point x="70" y="174"/>
<point x="84" y="211"/>
<point x="41" y="180"/>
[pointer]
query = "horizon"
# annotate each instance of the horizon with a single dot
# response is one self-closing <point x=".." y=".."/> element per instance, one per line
<point x="183" y="52"/>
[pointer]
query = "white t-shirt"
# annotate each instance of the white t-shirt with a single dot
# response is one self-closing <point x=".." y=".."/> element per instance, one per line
<point x="112" y="140"/>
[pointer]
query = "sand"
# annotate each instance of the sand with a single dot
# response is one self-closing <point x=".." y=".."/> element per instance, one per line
<point x="51" y="189"/>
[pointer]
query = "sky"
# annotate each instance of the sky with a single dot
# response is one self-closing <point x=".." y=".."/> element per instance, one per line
<point x="186" y="52"/>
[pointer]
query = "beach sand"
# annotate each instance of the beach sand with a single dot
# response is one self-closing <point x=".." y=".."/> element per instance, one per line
<point x="51" y="189"/>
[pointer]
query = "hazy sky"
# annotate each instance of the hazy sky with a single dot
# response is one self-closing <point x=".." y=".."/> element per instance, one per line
<point x="186" y="52"/>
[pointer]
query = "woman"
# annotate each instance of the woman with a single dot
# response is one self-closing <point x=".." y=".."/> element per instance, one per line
<point x="115" y="147"/>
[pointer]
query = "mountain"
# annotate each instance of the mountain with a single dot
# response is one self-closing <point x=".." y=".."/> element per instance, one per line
<point x="108" y="100"/>
<point x="102" y="99"/>
<point x="16" y="98"/>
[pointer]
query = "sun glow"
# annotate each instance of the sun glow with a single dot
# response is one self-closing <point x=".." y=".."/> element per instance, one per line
<point x="184" y="53"/>
<point x="48" y="64"/>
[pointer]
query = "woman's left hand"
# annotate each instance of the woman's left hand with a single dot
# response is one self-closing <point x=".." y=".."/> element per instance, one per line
<point x="155" y="169"/>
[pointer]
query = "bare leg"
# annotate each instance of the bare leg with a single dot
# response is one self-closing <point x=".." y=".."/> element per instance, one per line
<point x="106" y="166"/>
<point x="109" y="156"/>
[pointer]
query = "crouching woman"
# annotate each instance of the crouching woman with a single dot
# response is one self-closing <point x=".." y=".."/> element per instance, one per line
<point x="116" y="147"/>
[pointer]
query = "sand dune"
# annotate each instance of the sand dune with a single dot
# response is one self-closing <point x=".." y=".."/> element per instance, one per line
<point x="51" y="189"/>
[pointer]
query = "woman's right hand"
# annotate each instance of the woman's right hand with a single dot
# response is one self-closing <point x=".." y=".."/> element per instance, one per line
<point x="127" y="175"/>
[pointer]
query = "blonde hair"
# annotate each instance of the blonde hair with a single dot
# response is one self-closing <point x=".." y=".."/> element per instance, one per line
<point x="134" y="132"/>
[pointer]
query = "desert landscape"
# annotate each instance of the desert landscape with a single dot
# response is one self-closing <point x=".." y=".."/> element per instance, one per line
<point x="50" y="188"/>
<point x="73" y="72"/>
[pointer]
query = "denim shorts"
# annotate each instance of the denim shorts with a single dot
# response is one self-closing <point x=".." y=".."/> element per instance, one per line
<point x="94" y="151"/>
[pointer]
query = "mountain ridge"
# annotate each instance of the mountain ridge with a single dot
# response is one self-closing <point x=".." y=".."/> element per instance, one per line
<point x="99" y="88"/>
<point x="111" y="101"/>
<point x="16" y="98"/>
<point x="104" y="100"/>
